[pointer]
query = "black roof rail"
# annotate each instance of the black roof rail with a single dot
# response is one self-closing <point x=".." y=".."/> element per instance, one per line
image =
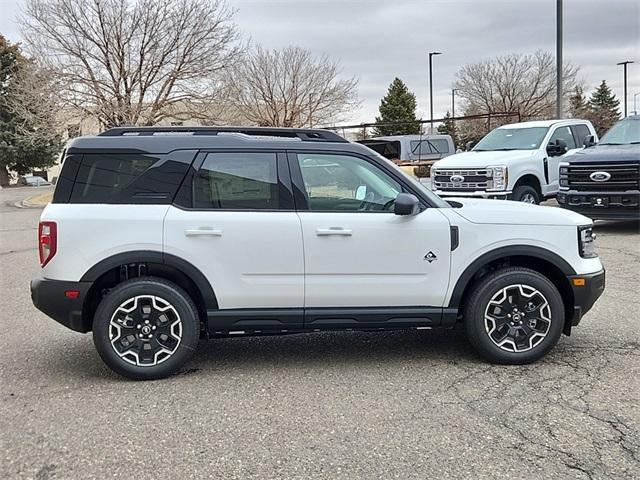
<point x="304" y="134"/>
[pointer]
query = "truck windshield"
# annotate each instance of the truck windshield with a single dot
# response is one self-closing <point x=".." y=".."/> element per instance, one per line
<point x="512" y="139"/>
<point x="626" y="132"/>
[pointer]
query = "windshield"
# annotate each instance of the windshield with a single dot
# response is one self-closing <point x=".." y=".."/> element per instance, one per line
<point x="625" y="132"/>
<point x="512" y="139"/>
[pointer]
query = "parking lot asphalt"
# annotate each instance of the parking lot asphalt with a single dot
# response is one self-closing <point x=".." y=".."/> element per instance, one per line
<point x="405" y="404"/>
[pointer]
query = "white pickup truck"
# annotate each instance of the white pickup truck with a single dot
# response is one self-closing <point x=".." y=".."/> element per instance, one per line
<point x="516" y="162"/>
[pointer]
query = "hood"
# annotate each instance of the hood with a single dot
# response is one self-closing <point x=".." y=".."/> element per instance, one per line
<point x="506" y="212"/>
<point x="483" y="159"/>
<point x="611" y="153"/>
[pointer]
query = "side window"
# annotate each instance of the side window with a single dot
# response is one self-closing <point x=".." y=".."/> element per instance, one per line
<point x="565" y="134"/>
<point x="237" y="181"/>
<point x="343" y="183"/>
<point x="580" y="132"/>
<point x="102" y="178"/>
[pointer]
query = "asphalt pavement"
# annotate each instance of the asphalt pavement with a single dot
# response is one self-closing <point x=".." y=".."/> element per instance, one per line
<point x="405" y="405"/>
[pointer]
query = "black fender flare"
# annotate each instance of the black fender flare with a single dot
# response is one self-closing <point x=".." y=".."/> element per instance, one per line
<point x="504" y="252"/>
<point x="151" y="256"/>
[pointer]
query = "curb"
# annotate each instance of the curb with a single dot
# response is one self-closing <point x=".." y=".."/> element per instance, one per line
<point x="35" y="201"/>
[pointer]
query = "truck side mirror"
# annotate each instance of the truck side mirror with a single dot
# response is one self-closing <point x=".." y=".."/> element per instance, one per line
<point x="406" y="204"/>
<point x="589" y="141"/>
<point x="556" y="149"/>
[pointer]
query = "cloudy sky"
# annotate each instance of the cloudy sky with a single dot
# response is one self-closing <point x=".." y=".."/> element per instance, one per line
<point x="377" y="40"/>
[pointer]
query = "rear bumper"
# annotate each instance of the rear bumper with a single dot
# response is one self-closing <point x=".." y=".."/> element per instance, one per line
<point x="585" y="296"/>
<point x="49" y="297"/>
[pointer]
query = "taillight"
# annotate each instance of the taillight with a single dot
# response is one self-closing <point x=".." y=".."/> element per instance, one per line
<point x="47" y="241"/>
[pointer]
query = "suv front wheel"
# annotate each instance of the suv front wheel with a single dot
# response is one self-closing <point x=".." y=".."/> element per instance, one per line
<point x="146" y="328"/>
<point x="514" y="316"/>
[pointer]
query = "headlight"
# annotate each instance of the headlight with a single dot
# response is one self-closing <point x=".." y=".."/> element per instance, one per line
<point x="500" y="175"/>
<point x="586" y="242"/>
<point x="564" y="170"/>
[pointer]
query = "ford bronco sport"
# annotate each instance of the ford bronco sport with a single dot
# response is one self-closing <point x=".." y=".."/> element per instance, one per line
<point x="157" y="237"/>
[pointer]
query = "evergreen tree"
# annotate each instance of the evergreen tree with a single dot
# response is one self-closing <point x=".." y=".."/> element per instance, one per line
<point x="578" y="106"/>
<point x="603" y="106"/>
<point x="398" y="105"/>
<point x="448" y="127"/>
<point x="24" y="145"/>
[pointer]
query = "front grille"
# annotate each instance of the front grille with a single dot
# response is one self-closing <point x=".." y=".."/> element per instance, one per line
<point x="624" y="176"/>
<point x="473" y="179"/>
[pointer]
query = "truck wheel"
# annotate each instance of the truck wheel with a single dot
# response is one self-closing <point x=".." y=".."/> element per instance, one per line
<point x="514" y="316"/>
<point x="526" y="194"/>
<point x="146" y="328"/>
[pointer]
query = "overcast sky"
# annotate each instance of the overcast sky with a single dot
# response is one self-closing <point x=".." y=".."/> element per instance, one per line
<point x="377" y="40"/>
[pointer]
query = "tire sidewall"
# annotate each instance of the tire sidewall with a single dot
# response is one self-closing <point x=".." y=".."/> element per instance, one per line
<point x="474" y="316"/>
<point x="522" y="190"/>
<point x="170" y="293"/>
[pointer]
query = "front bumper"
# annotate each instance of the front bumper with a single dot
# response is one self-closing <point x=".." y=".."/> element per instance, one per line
<point x="49" y="296"/>
<point x="584" y="296"/>
<point x="476" y="194"/>
<point x="602" y="205"/>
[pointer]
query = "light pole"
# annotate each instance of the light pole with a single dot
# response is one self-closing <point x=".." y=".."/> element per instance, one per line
<point x="624" y="66"/>
<point x="431" y="54"/>
<point x="453" y="112"/>
<point x="558" y="58"/>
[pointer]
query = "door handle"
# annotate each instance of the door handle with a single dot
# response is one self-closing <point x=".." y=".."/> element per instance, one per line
<point x="324" y="232"/>
<point x="193" y="232"/>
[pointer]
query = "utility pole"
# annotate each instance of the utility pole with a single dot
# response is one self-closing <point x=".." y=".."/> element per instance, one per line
<point x="558" y="58"/>
<point x="624" y="66"/>
<point x="431" y="54"/>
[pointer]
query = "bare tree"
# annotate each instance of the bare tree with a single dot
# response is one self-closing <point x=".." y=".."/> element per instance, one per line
<point x="134" y="61"/>
<point x="290" y="88"/>
<point x="513" y="83"/>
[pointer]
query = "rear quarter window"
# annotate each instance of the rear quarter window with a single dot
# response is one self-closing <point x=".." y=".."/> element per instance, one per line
<point x="103" y="178"/>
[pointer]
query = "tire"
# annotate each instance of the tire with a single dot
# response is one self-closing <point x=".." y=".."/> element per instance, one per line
<point x="146" y="311"/>
<point x="526" y="194"/>
<point x="504" y="336"/>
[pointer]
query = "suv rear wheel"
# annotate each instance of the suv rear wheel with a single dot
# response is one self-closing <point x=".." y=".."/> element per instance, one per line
<point x="146" y="328"/>
<point x="514" y="316"/>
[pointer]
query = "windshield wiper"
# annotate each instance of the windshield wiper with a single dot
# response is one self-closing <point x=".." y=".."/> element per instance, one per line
<point x="611" y="143"/>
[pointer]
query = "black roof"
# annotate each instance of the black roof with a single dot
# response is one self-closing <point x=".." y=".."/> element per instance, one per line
<point x="166" y="139"/>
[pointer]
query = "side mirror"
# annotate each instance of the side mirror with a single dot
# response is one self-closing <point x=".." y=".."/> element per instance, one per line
<point x="469" y="145"/>
<point x="589" y="141"/>
<point x="556" y="149"/>
<point x="406" y="204"/>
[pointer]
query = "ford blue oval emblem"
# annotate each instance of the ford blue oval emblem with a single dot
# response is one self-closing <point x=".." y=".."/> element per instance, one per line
<point x="600" y="176"/>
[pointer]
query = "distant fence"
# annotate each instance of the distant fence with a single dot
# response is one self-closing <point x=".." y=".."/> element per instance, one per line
<point x="484" y="122"/>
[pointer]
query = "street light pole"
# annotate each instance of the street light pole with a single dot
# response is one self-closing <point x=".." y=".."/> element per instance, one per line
<point x="453" y="112"/>
<point x="624" y="66"/>
<point x="558" y="58"/>
<point x="431" y="54"/>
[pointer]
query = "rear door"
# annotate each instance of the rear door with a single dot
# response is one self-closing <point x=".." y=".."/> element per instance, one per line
<point x="236" y="223"/>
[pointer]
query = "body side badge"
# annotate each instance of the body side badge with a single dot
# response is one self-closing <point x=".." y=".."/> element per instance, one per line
<point x="430" y="257"/>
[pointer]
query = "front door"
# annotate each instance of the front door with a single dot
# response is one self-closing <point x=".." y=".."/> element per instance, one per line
<point x="242" y="232"/>
<point x="562" y="133"/>
<point x="357" y="252"/>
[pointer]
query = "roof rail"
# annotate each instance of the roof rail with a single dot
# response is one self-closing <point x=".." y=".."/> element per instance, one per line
<point x="304" y="134"/>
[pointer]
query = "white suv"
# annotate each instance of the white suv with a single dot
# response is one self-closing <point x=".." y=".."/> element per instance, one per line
<point x="157" y="237"/>
<point x="518" y="161"/>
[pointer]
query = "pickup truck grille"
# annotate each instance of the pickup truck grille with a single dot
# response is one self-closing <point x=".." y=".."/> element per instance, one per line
<point x="473" y="179"/>
<point x="624" y="176"/>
